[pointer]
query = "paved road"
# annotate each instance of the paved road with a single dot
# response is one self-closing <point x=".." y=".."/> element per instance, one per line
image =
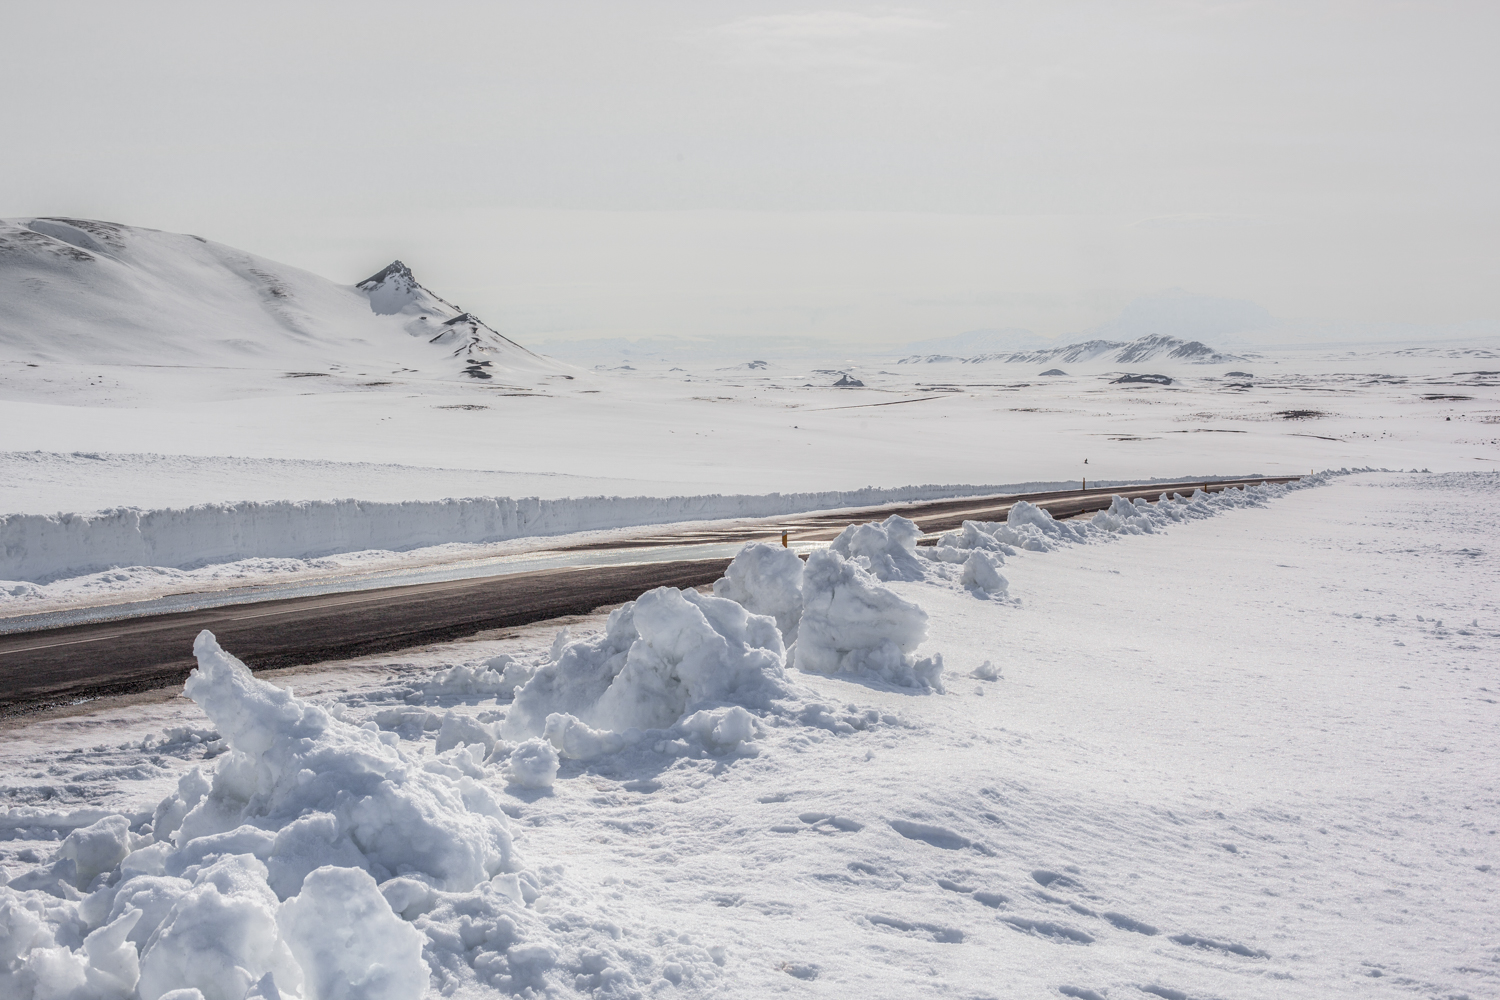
<point x="61" y="665"/>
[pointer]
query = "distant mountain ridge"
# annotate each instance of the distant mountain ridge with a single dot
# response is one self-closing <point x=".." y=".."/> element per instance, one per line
<point x="82" y="289"/>
<point x="1150" y="348"/>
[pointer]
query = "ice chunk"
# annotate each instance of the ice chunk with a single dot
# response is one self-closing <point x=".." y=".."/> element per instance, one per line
<point x="853" y="625"/>
<point x="766" y="580"/>
<point x="666" y="654"/>
<point x="349" y="943"/>
<point x="886" y="550"/>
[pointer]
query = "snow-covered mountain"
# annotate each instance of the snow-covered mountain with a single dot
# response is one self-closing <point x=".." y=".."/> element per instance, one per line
<point x="99" y="292"/>
<point x="1151" y="348"/>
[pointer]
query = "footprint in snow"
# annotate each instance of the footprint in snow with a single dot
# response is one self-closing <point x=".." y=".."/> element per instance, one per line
<point x="1050" y="879"/>
<point x="828" y="823"/>
<point x="1193" y="941"/>
<point x="932" y="932"/>
<point x="1079" y="993"/>
<point x="1125" y="923"/>
<point x="801" y="970"/>
<point x="937" y="836"/>
<point x="1061" y="933"/>
<point x="1165" y="992"/>
<point x="818" y="822"/>
<point x="994" y="900"/>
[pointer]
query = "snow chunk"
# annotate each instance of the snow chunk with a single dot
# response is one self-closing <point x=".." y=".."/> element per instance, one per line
<point x="660" y="657"/>
<point x="766" y="580"/>
<point x="220" y="937"/>
<point x="981" y="572"/>
<point x="853" y="625"/>
<point x="351" y="946"/>
<point x="533" y="764"/>
<point x="986" y="671"/>
<point x="96" y="849"/>
<point x="887" y="551"/>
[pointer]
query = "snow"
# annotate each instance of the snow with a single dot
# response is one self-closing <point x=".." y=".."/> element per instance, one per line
<point x="124" y="295"/>
<point x="1245" y="755"/>
<point x="140" y="455"/>
<point x="853" y="625"/>
<point x="661" y="657"/>
<point x="1238" y="744"/>
<point x="887" y="551"/>
<point x="766" y="580"/>
<point x="42" y="548"/>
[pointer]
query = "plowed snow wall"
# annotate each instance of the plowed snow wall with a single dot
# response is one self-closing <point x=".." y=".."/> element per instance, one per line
<point x="40" y="548"/>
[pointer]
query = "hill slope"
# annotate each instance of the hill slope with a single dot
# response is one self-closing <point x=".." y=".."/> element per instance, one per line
<point x="100" y="292"/>
<point x="1150" y="348"/>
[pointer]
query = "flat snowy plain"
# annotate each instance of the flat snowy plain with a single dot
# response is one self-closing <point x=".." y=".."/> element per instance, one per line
<point x="327" y="473"/>
<point x="1250" y="755"/>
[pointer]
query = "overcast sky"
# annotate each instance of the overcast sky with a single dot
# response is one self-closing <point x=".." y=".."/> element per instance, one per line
<point x="865" y="173"/>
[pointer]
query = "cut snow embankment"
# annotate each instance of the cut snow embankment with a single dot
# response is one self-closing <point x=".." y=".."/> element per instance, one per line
<point x="38" y="548"/>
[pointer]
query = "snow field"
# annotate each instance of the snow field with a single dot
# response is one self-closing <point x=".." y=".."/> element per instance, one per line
<point x="1243" y="758"/>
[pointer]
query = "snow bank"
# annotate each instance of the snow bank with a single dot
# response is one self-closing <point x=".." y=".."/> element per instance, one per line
<point x="1030" y="527"/>
<point x="36" y="548"/>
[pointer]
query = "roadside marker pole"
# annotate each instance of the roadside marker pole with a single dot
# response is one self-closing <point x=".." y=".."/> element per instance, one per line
<point x="783" y="540"/>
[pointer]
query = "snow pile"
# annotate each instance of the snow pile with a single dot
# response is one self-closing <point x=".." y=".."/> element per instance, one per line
<point x="766" y="580"/>
<point x="887" y="551"/>
<point x="322" y="860"/>
<point x="332" y="792"/>
<point x="853" y="625"/>
<point x="497" y="677"/>
<point x="665" y="658"/>
<point x="835" y="615"/>
<point x="267" y="868"/>
<point x="533" y="764"/>
<point x="981" y="572"/>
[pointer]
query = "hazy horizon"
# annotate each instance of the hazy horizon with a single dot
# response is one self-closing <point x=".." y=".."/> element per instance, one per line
<point x="863" y="175"/>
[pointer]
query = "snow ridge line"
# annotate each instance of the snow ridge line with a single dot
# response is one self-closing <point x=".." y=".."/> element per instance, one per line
<point x="40" y="548"/>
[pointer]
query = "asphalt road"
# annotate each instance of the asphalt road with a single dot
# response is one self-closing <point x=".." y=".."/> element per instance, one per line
<point x="57" y="666"/>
